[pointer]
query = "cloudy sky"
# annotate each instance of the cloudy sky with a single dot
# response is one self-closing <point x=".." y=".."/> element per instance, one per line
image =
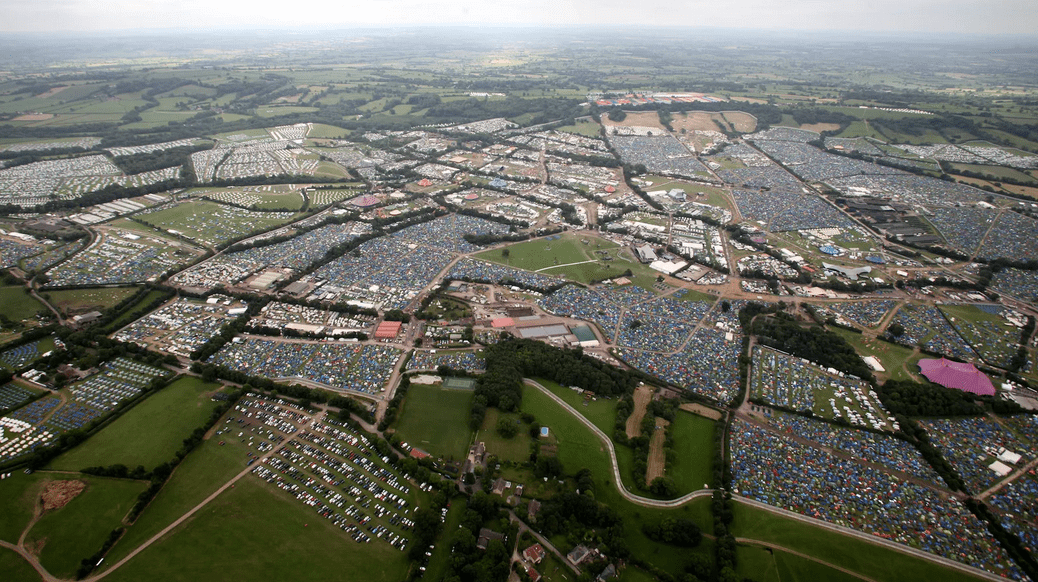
<point x="943" y="16"/>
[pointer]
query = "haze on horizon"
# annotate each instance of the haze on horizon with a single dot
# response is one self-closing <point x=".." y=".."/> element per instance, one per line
<point x="1008" y="17"/>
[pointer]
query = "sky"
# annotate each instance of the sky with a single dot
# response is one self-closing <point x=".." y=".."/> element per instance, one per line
<point x="989" y="17"/>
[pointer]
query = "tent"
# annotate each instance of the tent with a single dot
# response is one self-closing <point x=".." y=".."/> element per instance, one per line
<point x="965" y="377"/>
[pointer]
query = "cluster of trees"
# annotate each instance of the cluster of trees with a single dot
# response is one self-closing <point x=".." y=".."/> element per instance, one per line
<point x="676" y="531"/>
<point x="470" y="564"/>
<point x="1017" y="550"/>
<point x="916" y="399"/>
<point x="578" y="515"/>
<point x="814" y="343"/>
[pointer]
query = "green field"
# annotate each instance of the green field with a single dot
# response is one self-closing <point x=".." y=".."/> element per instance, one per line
<point x="19" y="305"/>
<point x="127" y="316"/>
<point x="212" y="223"/>
<point x="515" y="449"/>
<point x="16" y="569"/>
<point x="239" y="530"/>
<point x="72" y="301"/>
<point x="876" y="562"/>
<point x="693" y="437"/>
<point x="149" y="433"/>
<point x="441" y="554"/>
<point x="538" y="254"/>
<point x="600" y="411"/>
<point x="203" y="471"/>
<point x="79" y="529"/>
<point x="585" y="127"/>
<point x="436" y="420"/>
<point x="899" y="362"/>
<point x="18" y="495"/>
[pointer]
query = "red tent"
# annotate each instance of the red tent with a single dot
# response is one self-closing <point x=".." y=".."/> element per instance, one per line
<point x="965" y="377"/>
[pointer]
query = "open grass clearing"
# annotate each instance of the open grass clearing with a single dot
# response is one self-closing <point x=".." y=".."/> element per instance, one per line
<point x="74" y="301"/>
<point x="541" y="253"/>
<point x="436" y="420"/>
<point x="876" y="562"/>
<point x="15" y="568"/>
<point x="515" y="449"/>
<point x="585" y="127"/>
<point x="18" y="305"/>
<point x="899" y="362"/>
<point x="657" y="461"/>
<point x="203" y="471"/>
<point x="63" y="537"/>
<point x="18" y="496"/>
<point x="693" y="438"/>
<point x="636" y="119"/>
<point x="238" y="531"/>
<point x="151" y="432"/>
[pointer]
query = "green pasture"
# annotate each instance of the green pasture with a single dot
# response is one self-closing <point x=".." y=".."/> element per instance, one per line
<point x="237" y="531"/>
<point x="693" y="437"/>
<point x="151" y="432"/>
<point x="436" y="419"/>
<point x="70" y="301"/>
<point x="18" y="305"/>
<point x="77" y="530"/>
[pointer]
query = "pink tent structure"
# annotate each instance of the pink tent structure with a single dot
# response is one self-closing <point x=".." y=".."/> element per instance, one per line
<point x="965" y="377"/>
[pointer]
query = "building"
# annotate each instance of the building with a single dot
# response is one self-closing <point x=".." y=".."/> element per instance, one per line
<point x="486" y="536"/>
<point x="388" y="330"/>
<point x="534" y="554"/>
<point x="850" y="273"/>
<point x="645" y="253"/>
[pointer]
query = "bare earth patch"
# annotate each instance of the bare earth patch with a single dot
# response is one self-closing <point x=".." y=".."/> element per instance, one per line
<point x="636" y="119"/>
<point x="741" y="121"/>
<point x="57" y="494"/>
<point x="820" y="127"/>
<point x="697" y="121"/>
<point x="642" y="396"/>
<point x="701" y="410"/>
<point x="657" y="463"/>
<point x="33" y="117"/>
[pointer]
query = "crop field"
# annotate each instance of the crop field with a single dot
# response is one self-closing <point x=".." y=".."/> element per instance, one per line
<point x="436" y="420"/>
<point x="73" y="301"/>
<point x="149" y="433"/>
<point x="241" y="526"/>
<point x="65" y="536"/>
<point x="699" y="121"/>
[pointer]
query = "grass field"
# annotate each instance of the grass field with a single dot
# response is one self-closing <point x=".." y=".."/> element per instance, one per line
<point x="150" y="433"/>
<point x="77" y="530"/>
<point x="693" y="438"/>
<point x="541" y="253"/>
<point x="19" y="305"/>
<point x="876" y="562"/>
<point x="585" y="127"/>
<point x="128" y="316"/>
<point x="441" y="554"/>
<point x="578" y="448"/>
<point x="16" y="569"/>
<point x="18" y="495"/>
<point x="239" y="530"/>
<point x="515" y="449"/>
<point x="437" y="420"/>
<point x="212" y="223"/>
<point x="71" y="301"/>
<point x="898" y="361"/>
<point x="202" y="472"/>
<point x="600" y="411"/>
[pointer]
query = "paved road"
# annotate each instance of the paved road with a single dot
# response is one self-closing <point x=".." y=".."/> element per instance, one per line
<point x="637" y="499"/>
<point x="790" y="514"/>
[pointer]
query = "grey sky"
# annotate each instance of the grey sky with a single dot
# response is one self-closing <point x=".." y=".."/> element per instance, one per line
<point x="965" y="16"/>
